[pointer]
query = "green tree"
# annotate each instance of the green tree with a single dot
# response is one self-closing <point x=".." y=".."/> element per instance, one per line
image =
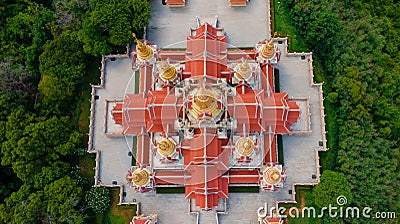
<point x="15" y="78"/>
<point x="62" y="197"/>
<point x="98" y="199"/>
<point x="332" y="186"/>
<point x="109" y="24"/>
<point x="62" y="65"/>
<point x="25" y="34"/>
<point x="23" y="206"/>
<point x="31" y="145"/>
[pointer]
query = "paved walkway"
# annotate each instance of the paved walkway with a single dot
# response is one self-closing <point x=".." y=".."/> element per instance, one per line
<point x="114" y="159"/>
<point x="244" y="26"/>
<point x="299" y="151"/>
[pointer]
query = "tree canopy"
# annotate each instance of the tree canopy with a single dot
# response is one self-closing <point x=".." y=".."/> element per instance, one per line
<point x="109" y="24"/>
<point x="332" y="186"/>
<point x="359" y="48"/>
<point x="62" y="65"/>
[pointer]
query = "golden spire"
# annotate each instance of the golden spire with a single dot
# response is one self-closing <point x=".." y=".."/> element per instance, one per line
<point x="144" y="52"/>
<point x="267" y="50"/>
<point x="244" y="146"/>
<point x="167" y="71"/>
<point x="271" y="175"/>
<point x="243" y="70"/>
<point x="140" y="177"/>
<point x="166" y="147"/>
<point x="204" y="102"/>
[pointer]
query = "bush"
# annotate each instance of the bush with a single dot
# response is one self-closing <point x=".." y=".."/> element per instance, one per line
<point x="98" y="199"/>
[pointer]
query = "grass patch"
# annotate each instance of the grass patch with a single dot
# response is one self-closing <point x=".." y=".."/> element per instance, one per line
<point x="328" y="158"/>
<point x="244" y="189"/>
<point x="170" y="190"/>
<point x="116" y="214"/>
<point x="86" y="165"/>
<point x="92" y="77"/>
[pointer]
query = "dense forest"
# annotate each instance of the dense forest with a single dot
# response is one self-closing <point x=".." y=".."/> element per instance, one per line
<point x="357" y="43"/>
<point x="46" y="49"/>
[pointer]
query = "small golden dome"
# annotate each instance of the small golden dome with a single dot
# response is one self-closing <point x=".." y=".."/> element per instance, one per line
<point x="167" y="71"/>
<point x="267" y="50"/>
<point x="204" y="101"/>
<point x="272" y="175"/>
<point x="144" y="52"/>
<point x="243" y="70"/>
<point x="244" y="146"/>
<point x="166" y="147"/>
<point x="140" y="177"/>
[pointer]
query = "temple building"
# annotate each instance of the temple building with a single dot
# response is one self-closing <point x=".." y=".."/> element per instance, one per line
<point x="205" y="119"/>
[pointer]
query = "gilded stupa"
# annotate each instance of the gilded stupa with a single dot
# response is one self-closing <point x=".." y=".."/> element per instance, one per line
<point x="167" y="71"/>
<point x="144" y="52"/>
<point x="140" y="177"/>
<point x="272" y="175"/>
<point x="267" y="50"/>
<point x="243" y="70"/>
<point x="166" y="147"/>
<point x="244" y="146"/>
<point x="204" y="101"/>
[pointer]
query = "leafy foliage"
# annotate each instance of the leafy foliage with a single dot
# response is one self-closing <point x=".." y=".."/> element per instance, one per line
<point x="360" y="60"/>
<point x="62" y="66"/>
<point x="42" y="70"/>
<point x="15" y="78"/>
<point x="31" y="145"/>
<point x="109" y="24"/>
<point x="25" y="34"/>
<point x="98" y="199"/>
<point x="332" y="186"/>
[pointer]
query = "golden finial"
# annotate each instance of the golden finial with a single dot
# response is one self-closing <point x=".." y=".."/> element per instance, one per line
<point x="243" y="70"/>
<point x="204" y="101"/>
<point x="244" y="146"/>
<point x="167" y="71"/>
<point x="267" y="50"/>
<point x="140" y="177"/>
<point x="144" y="52"/>
<point x="271" y="175"/>
<point x="166" y="147"/>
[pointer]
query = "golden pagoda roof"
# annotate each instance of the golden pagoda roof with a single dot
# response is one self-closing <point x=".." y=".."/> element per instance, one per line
<point x="144" y="52"/>
<point x="267" y="50"/>
<point x="244" y="146"/>
<point x="140" y="177"/>
<point x="204" y="101"/>
<point x="167" y="71"/>
<point x="243" y="70"/>
<point x="272" y="175"/>
<point x="166" y="147"/>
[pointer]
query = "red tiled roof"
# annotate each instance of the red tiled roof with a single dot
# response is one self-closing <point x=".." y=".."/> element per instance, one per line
<point x="206" y="173"/>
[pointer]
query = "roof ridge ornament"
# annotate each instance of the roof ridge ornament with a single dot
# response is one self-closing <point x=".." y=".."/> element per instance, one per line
<point x="267" y="50"/>
<point x="243" y="70"/>
<point x="167" y="71"/>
